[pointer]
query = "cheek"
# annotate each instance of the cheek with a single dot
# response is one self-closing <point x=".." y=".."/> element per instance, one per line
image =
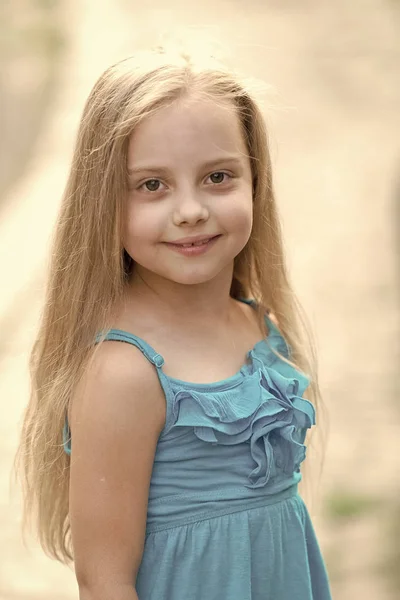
<point x="238" y="216"/>
<point x="142" y="222"/>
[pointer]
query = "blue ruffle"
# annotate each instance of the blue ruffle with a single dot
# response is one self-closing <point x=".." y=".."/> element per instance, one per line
<point x="265" y="409"/>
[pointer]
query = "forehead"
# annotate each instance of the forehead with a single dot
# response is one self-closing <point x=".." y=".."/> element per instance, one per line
<point x="189" y="129"/>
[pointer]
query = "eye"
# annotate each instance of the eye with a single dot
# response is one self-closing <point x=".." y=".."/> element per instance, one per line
<point x="152" y="185"/>
<point x="219" y="177"/>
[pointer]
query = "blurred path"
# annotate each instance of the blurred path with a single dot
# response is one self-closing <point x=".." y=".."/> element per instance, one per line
<point x="25" y="230"/>
<point x="335" y="178"/>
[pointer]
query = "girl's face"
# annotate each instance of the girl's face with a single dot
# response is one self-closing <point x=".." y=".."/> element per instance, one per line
<point x="189" y="207"/>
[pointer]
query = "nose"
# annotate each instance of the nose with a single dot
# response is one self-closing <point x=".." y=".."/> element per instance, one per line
<point x="190" y="210"/>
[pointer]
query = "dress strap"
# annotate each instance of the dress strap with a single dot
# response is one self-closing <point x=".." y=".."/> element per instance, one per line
<point x="66" y="434"/>
<point x="154" y="357"/>
<point x="275" y="337"/>
<point x="119" y="335"/>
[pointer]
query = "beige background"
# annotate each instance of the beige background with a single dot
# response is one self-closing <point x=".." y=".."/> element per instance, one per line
<point x="334" y="120"/>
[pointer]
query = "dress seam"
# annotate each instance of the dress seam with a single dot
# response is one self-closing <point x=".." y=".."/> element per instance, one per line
<point x="219" y="492"/>
<point x="288" y="494"/>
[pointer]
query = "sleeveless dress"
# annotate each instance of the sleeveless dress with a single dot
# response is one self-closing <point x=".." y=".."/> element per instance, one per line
<point x="224" y="519"/>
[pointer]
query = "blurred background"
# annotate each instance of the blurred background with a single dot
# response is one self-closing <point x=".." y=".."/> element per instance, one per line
<point x="333" y="114"/>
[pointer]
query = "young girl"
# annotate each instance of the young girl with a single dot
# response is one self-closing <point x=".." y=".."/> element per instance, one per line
<point x="173" y="458"/>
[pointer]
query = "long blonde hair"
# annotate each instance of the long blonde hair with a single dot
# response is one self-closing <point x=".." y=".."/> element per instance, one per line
<point x="89" y="268"/>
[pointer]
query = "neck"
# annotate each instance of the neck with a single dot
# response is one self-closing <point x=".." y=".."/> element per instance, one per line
<point x="209" y="300"/>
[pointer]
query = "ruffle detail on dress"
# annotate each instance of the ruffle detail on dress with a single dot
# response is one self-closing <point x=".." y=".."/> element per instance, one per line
<point x="265" y="409"/>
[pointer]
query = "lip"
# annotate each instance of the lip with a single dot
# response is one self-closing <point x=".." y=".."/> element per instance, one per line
<point x="192" y="240"/>
<point x="205" y="244"/>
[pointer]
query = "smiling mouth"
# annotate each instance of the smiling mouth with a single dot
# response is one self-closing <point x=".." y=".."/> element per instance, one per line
<point x="202" y="242"/>
<point x="194" y="248"/>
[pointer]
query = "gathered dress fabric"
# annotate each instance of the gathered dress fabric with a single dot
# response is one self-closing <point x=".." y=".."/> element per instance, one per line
<point x="224" y="520"/>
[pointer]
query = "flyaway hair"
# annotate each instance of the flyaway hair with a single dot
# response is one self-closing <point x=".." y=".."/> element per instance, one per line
<point x="89" y="268"/>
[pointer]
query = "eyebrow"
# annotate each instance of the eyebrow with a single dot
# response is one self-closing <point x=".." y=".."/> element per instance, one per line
<point x="232" y="159"/>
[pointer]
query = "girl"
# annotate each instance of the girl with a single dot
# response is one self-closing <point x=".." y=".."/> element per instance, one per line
<point x="168" y="240"/>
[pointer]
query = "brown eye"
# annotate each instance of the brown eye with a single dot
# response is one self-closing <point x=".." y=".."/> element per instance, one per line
<point x="217" y="177"/>
<point x="152" y="185"/>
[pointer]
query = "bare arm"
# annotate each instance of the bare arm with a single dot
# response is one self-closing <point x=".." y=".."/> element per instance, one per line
<point x="115" y="592"/>
<point x="116" y="417"/>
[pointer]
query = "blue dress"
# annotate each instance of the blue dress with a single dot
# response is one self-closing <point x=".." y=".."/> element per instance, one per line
<point x="225" y="521"/>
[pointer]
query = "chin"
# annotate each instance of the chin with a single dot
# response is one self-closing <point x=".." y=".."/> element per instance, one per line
<point x="191" y="277"/>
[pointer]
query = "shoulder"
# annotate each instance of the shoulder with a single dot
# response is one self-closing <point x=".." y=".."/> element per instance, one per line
<point x="272" y="318"/>
<point x="119" y="383"/>
<point x="120" y="363"/>
<point x="249" y="308"/>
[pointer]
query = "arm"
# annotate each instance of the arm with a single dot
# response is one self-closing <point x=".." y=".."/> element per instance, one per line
<point x="117" y="414"/>
<point x="119" y="593"/>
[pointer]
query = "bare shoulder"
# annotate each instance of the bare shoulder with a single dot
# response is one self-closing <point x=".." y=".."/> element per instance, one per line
<point x="273" y="318"/>
<point x="118" y="381"/>
<point x="251" y="314"/>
